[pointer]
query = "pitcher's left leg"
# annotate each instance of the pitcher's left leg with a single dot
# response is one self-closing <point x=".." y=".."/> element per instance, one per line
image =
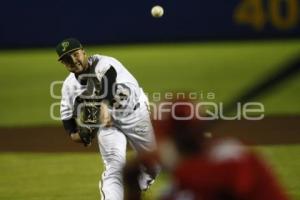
<point x="112" y="144"/>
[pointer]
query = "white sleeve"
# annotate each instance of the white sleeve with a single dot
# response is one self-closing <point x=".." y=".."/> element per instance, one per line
<point x="102" y="67"/>
<point x="66" y="108"/>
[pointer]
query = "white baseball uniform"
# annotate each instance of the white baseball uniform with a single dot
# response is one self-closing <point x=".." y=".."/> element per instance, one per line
<point x="131" y="121"/>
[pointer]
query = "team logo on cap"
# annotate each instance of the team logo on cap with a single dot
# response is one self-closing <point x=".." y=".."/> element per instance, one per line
<point x="65" y="45"/>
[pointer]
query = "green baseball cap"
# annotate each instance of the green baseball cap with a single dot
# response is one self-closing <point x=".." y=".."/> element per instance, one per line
<point x="67" y="46"/>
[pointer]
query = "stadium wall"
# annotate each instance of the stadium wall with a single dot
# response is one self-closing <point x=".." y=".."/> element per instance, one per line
<point x="43" y="23"/>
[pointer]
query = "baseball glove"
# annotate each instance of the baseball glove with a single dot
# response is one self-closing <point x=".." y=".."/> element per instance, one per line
<point x="89" y="121"/>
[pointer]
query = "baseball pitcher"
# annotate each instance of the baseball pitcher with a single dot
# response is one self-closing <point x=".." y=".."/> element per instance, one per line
<point x="100" y="98"/>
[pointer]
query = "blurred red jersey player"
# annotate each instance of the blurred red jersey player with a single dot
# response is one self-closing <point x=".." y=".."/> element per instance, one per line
<point x="211" y="169"/>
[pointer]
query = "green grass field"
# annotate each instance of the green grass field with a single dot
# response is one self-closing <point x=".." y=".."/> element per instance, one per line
<point x="75" y="176"/>
<point x="223" y="68"/>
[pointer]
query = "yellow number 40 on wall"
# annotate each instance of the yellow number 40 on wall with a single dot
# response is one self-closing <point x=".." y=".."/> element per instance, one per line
<point x="252" y="12"/>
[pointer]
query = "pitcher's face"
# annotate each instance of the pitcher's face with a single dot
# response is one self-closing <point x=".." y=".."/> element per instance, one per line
<point x="76" y="61"/>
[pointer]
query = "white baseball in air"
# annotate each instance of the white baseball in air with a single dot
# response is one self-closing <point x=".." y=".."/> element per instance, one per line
<point x="208" y="135"/>
<point x="157" y="11"/>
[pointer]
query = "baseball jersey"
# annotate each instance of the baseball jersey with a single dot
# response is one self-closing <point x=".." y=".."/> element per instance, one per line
<point x="225" y="170"/>
<point x="108" y="79"/>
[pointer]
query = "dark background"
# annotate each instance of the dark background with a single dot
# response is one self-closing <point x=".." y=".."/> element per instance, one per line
<point x="34" y="23"/>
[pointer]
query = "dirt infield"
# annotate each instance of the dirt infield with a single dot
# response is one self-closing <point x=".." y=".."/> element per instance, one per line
<point x="271" y="130"/>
